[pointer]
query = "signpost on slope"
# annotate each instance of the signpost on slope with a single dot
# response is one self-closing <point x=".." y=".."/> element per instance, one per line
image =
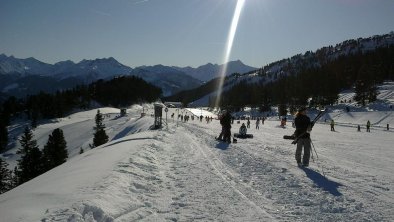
<point x="166" y="110"/>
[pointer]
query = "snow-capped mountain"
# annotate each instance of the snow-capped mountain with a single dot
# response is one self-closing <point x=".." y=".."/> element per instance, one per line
<point x="91" y="70"/>
<point x="211" y="71"/>
<point x="32" y="66"/>
<point x="326" y="54"/>
<point x="297" y="63"/>
<point x="20" y="77"/>
<point x="167" y="78"/>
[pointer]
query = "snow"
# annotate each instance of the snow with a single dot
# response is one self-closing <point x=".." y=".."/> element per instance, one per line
<point x="180" y="173"/>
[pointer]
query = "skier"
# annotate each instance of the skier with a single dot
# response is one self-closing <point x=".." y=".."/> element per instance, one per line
<point x="368" y="126"/>
<point x="248" y="123"/>
<point x="220" y="137"/>
<point x="303" y="127"/>
<point x="283" y="122"/>
<point x="332" y="125"/>
<point x="258" y="123"/>
<point x="358" y="128"/>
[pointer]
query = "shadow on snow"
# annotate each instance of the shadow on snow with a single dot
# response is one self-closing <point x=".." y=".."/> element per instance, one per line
<point x="321" y="181"/>
<point x="222" y="145"/>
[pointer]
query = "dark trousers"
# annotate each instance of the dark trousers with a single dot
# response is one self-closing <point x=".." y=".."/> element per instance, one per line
<point x="227" y="134"/>
<point x="306" y="144"/>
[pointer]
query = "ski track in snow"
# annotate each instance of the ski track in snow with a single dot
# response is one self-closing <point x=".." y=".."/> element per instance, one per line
<point x="268" y="173"/>
<point x="183" y="174"/>
<point x="203" y="179"/>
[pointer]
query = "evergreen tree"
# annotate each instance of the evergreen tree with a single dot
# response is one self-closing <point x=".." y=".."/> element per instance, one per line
<point x="372" y="93"/>
<point x="55" y="151"/>
<point x="5" y="177"/>
<point x="100" y="137"/>
<point x="361" y="91"/>
<point x="30" y="164"/>
<point x="3" y="133"/>
<point x="15" y="177"/>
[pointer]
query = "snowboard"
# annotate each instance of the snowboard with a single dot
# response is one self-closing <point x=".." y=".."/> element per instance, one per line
<point x="243" y="136"/>
<point x="286" y="137"/>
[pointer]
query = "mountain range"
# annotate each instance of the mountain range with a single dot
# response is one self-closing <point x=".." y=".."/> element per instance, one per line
<point x="328" y="56"/>
<point x="20" y="77"/>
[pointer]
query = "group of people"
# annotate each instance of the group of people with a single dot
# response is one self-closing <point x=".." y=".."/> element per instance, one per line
<point x="302" y="123"/>
<point x="303" y="126"/>
<point x="368" y="126"/>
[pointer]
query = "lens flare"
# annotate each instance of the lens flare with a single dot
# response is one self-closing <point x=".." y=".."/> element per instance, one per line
<point x="229" y="45"/>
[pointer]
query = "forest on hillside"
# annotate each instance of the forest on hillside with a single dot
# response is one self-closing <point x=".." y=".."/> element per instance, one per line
<point x="119" y="92"/>
<point x="298" y="82"/>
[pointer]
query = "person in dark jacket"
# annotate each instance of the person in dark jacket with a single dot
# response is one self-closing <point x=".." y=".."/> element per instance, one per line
<point x="242" y="130"/>
<point x="303" y="127"/>
<point x="226" y="126"/>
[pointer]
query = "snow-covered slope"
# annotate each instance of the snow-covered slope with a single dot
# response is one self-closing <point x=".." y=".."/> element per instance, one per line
<point x="180" y="173"/>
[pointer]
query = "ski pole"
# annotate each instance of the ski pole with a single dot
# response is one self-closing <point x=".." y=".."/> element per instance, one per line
<point x="317" y="157"/>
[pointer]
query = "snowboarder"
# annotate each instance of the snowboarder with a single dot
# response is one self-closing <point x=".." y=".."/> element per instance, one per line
<point x="368" y="126"/>
<point x="332" y="124"/>
<point x="242" y="130"/>
<point x="303" y="128"/>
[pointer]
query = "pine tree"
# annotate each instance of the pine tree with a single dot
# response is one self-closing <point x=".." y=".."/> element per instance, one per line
<point x="3" y="135"/>
<point x="372" y="93"/>
<point x="5" y="177"/>
<point x="361" y="92"/>
<point x="15" y="177"/>
<point x="100" y="137"/>
<point x="55" y="151"/>
<point x="30" y="165"/>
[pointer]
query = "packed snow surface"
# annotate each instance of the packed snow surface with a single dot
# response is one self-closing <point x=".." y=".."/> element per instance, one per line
<point x="181" y="173"/>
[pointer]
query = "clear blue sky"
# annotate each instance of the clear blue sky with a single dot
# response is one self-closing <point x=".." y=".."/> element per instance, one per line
<point x="183" y="32"/>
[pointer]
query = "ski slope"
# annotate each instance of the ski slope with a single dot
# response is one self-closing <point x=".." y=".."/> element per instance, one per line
<point x="180" y="173"/>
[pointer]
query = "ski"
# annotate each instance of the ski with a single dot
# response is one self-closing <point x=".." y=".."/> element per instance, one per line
<point x="320" y="114"/>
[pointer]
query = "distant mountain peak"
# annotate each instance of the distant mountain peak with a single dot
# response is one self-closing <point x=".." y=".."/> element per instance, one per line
<point x="210" y="71"/>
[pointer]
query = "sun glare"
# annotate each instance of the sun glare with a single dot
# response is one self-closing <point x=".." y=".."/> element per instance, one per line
<point x="229" y="45"/>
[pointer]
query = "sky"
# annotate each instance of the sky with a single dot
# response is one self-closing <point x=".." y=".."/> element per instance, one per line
<point x="184" y="32"/>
